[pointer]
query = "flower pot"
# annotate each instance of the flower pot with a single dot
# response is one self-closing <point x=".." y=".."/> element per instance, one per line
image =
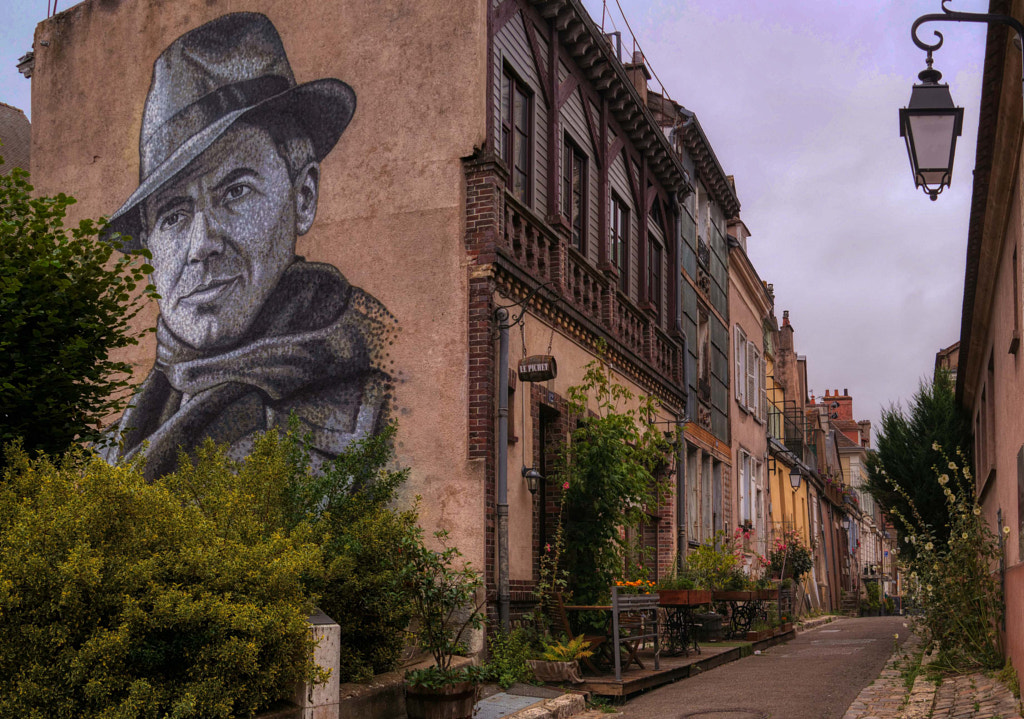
<point x="556" y="672"/>
<point x="453" y="701"/>
<point x="786" y="627"/>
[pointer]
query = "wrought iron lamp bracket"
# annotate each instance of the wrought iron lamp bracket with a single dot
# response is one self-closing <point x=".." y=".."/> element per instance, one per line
<point x="948" y="15"/>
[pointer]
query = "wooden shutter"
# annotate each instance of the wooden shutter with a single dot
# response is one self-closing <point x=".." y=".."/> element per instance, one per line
<point x="752" y="370"/>
<point x="739" y="352"/>
<point x="764" y="390"/>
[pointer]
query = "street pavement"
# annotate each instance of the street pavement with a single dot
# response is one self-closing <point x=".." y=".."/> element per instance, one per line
<point x="815" y="676"/>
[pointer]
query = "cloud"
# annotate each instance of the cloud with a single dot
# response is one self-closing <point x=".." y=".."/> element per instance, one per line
<point x="800" y="100"/>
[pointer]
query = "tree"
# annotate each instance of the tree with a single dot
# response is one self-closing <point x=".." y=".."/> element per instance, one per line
<point x="910" y="448"/>
<point x="66" y="301"/>
<point x="609" y="474"/>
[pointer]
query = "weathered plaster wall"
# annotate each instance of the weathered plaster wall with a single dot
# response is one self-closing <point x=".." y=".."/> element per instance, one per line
<point x="391" y="209"/>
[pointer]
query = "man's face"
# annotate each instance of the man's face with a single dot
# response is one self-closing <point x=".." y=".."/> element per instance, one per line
<point x="222" y="232"/>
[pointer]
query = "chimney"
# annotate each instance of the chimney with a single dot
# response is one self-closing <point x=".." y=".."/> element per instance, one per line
<point x="785" y="318"/>
<point x="639" y="75"/>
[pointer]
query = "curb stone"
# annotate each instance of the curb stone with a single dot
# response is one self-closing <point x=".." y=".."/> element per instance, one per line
<point x="814" y="623"/>
<point x="561" y="707"/>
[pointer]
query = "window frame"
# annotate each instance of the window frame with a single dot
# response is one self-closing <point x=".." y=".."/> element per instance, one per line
<point x="618" y="235"/>
<point x="655" y="258"/>
<point x="574" y="158"/>
<point x="510" y="130"/>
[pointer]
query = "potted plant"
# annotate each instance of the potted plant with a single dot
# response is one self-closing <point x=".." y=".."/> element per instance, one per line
<point x="444" y="603"/>
<point x="559" y="661"/>
<point x="677" y="590"/>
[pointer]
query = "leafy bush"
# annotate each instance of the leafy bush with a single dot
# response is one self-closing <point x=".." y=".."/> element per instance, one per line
<point x="66" y="300"/>
<point x="953" y="584"/>
<point x="345" y="509"/>
<point x="715" y="564"/>
<point x="444" y="596"/>
<point x="790" y="556"/>
<point x="509" y="651"/>
<point x="608" y="471"/>
<point x="567" y="651"/>
<point x="123" y="599"/>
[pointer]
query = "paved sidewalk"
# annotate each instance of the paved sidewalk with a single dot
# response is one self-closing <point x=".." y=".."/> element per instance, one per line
<point x="883" y="698"/>
<point x="974" y="696"/>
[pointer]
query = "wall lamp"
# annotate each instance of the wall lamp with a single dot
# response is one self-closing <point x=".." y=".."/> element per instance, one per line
<point x="931" y="123"/>
<point x="533" y="478"/>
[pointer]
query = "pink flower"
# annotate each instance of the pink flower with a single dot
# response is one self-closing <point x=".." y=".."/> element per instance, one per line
<point x="547" y="547"/>
<point x="565" y="486"/>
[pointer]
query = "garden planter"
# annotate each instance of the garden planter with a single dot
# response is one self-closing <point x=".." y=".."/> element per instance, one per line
<point x="737" y="595"/>
<point x="700" y="596"/>
<point x="761" y="635"/>
<point x="556" y="672"/>
<point x="674" y="596"/>
<point x="768" y="594"/>
<point x="786" y="627"/>
<point x="454" y="701"/>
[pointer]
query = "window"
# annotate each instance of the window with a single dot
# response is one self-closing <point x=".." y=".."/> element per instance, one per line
<point x="744" y="477"/>
<point x="517" y="134"/>
<point x="654" y="274"/>
<point x="706" y="520"/>
<point x="574" y="192"/>
<point x="619" y="238"/>
<point x="749" y="375"/>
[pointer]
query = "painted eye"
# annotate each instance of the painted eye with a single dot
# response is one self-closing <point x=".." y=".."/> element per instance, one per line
<point x="236" y="192"/>
<point x="172" y="219"/>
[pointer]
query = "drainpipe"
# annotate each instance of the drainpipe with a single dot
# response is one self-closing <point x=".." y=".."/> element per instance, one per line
<point x="681" y="490"/>
<point x="501" y="315"/>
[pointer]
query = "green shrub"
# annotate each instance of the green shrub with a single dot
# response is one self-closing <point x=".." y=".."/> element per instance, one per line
<point x="345" y="508"/>
<point x="509" y="651"/>
<point x="122" y="599"/>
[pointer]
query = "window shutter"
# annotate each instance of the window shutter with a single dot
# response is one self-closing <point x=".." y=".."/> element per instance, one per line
<point x="751" y="376"/>
<point x="764" y="391"/>
<point x="739" y="352"/>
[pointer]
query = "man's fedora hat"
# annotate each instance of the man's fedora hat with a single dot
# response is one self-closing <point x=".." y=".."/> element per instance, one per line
<point x="208" y="79"/>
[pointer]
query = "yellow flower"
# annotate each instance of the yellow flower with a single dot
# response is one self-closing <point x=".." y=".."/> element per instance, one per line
<point x="896" y="636"/>
<point x="929" y="546"/>
<point x="1006" y="530"/>
<point x="929" y="587"/>
<point x="964" y="535"/>
<point x="977" y="511"/>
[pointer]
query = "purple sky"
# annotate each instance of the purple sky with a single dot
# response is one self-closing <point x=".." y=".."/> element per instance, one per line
<point x="799" y="99"/>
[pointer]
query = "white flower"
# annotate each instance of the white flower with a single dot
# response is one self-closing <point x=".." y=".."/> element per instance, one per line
<point x="929" y="546"/>
<point x="929" y="587"/>
<point x="935" y="446"/>
<point x="964" y="535"/>
<point x="948" y="491"/>
<point x="977" y="511"/>
<point x="1006" y="530"/>
<point x="943" y="478"/>
<point x="952" y="465"/>
<point x="952" y="497"/>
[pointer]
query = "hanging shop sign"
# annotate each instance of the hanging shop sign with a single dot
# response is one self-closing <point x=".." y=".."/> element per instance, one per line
<point x="537" y="368"/>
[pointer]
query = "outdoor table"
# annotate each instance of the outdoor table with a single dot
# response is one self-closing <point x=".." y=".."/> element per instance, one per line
<point x="679" y="608"/>
<point x="745" y="607"/>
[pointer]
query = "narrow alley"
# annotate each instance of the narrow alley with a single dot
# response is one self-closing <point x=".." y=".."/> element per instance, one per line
<point x="815" y="676"/>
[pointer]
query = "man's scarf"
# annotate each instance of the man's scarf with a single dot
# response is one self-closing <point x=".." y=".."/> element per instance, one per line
<point x="312" y="329"/>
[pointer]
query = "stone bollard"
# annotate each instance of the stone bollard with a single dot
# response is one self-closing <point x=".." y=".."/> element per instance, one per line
<point x="320" y="701"/>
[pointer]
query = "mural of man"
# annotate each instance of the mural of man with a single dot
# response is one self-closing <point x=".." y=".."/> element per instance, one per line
<point x="248" y="333"/>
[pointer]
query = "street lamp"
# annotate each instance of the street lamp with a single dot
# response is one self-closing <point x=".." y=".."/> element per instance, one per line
<point x="794" y="477"/>
<point x="931" y="123"/>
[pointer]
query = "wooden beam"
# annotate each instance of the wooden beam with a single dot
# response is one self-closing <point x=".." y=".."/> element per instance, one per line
<point x="503" y="13"/>
<point x="566" y="89"/>
<point x="539" y="63"/>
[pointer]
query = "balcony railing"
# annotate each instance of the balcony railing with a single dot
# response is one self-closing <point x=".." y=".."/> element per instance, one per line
<point x="544" y="255"/>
